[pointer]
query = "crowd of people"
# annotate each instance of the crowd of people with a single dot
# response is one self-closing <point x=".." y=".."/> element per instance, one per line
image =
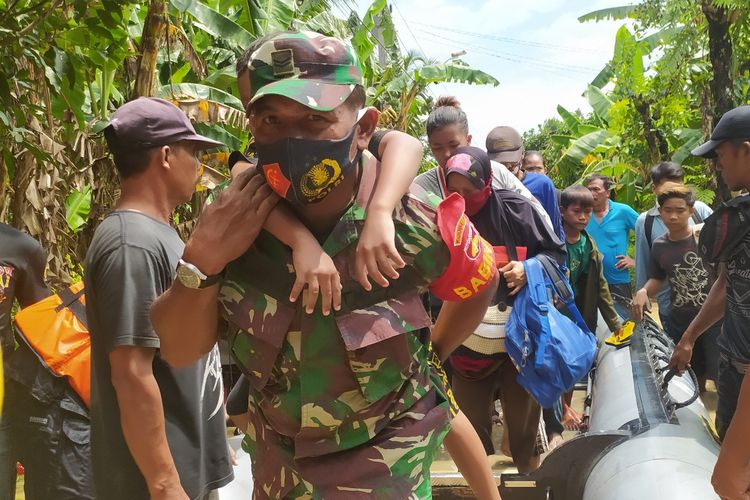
<point x="365" y="305"/>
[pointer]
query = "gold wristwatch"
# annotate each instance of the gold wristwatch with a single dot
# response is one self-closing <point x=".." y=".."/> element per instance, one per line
<point x="192" y="277"/>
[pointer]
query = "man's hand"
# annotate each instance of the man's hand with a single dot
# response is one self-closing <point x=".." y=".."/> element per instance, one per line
<point x="228" y="226"/>
<point x="640" y="302"/>
<point x="624" y="262"/>
<point x="514" y="275"/>
<point x="377" y="256"/>
<point x="315" y="269"/>
<point x="731" y="477"/>
<point x="683" y="353"/>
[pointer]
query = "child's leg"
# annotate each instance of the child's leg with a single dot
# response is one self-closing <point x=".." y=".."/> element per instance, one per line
<point x="467" y="452"/>
<point x="505" y="444"/>
<point x="237" y="403"/>
<point x="553" y="424"/>
<point x="476" y="400"/>
<point x="521" y="414"/>
<point x="463" y="443"/>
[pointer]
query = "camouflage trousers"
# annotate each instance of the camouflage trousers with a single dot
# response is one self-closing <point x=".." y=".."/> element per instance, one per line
<point x="393" y="465"/>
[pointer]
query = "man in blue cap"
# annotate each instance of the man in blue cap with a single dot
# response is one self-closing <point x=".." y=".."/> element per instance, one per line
<point x="725" y="241"/>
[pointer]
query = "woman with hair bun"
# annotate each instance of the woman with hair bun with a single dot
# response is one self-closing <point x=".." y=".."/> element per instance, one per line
<point x="448" y="130"/>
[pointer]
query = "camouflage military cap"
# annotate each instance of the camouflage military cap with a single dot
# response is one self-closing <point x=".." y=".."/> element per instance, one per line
<point x="317" y="71"/>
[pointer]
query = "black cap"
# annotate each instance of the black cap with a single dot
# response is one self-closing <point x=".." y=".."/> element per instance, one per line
<point x="149" y="122"/>
<point x="735" y="124"/>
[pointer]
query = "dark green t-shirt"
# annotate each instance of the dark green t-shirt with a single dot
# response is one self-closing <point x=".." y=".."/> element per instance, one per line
<point x="579" y="254"/>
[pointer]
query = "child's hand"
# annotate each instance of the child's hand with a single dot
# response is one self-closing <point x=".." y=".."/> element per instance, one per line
<point x="571" y="419"/>
<point x="640" y="302"/>
<point x="376" y="251"/>
<point x="315" y="269"/>
<point x="515" y="276"/>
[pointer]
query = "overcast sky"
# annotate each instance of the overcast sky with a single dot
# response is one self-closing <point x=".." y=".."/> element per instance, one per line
<point x="537" y="49"/>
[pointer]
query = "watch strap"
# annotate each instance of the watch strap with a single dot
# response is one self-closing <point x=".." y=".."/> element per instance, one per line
<point x="211" y="280"/>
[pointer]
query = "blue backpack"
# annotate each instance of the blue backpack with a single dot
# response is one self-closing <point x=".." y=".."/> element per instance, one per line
<point x="550" y="351"/>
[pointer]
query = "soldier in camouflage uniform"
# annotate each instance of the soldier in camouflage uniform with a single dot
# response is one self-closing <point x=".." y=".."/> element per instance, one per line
<point x="345" y="405"/>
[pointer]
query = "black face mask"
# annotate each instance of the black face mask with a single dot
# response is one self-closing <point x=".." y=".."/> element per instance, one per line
<point x="304" y="171"/>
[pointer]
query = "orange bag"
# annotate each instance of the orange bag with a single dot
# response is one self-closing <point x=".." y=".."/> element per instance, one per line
<point x="55" y="329"/>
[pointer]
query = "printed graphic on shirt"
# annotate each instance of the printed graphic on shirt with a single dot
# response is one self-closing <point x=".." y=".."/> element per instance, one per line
<point x="212" y="383"/>
<point x="575" y="266"/>
<point x="689" y="281"/>
<point x="738" y="282"/>
<point x="6" y="274"/>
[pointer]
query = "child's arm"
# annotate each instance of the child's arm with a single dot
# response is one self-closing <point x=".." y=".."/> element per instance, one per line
<point x="400" y="156"/>
<point x="642" y="301"/>
<point x="313" y="267"/>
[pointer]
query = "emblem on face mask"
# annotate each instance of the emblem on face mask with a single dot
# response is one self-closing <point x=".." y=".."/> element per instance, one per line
<point x="276" y="179"/>
<point x="321" y="179"/>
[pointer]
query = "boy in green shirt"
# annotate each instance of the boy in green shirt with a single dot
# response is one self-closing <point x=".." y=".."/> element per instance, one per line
<point x="585" y="261"/>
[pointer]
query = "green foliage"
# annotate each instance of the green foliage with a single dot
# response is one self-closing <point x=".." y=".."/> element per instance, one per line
<point x="77" y="208"/>
<point x="650" y="100"/>
<point x="217" y="24"/>
<point x="66" y="65"/>
<point x="613" y="13"/>
<point x="599" y="102"/>
<point x="271" y="15"/>
<point x="455" y="71"/>
<point x="399" y="89"/>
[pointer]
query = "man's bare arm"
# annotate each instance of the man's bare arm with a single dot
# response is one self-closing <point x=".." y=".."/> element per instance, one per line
<point x="186" y="319"/>
<point x="731" y="478"/>
<point x="457" y="320"/>
<point x="142" y="420"/>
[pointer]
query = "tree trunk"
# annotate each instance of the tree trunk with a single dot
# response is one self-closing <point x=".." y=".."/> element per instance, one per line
<point x="153" y="32"/>
<point x="722" y="85"/>
<point x="657" y="146"/>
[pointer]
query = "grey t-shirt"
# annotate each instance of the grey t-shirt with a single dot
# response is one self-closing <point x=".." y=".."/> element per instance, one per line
<point x="130" y="262"/>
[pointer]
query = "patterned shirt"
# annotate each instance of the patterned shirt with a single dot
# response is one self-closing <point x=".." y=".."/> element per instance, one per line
<point x="735" y="336"/>
<point x="332" y="383"/>
<point x="690" y="279"/>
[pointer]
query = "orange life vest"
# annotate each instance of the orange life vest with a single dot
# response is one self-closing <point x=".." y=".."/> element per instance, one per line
<point x="55" y="329"/>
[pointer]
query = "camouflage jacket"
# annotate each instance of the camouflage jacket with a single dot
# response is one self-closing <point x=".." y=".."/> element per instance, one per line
<point x="332" y="383"/>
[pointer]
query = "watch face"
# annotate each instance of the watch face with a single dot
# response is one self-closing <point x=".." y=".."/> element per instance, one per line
<point x="188" y="278"/>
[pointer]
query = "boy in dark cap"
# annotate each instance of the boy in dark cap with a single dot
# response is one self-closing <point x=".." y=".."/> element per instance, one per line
<point x="353" y="391"/>
<point x="725" y="241"/>
<point x="157" y="432"/>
